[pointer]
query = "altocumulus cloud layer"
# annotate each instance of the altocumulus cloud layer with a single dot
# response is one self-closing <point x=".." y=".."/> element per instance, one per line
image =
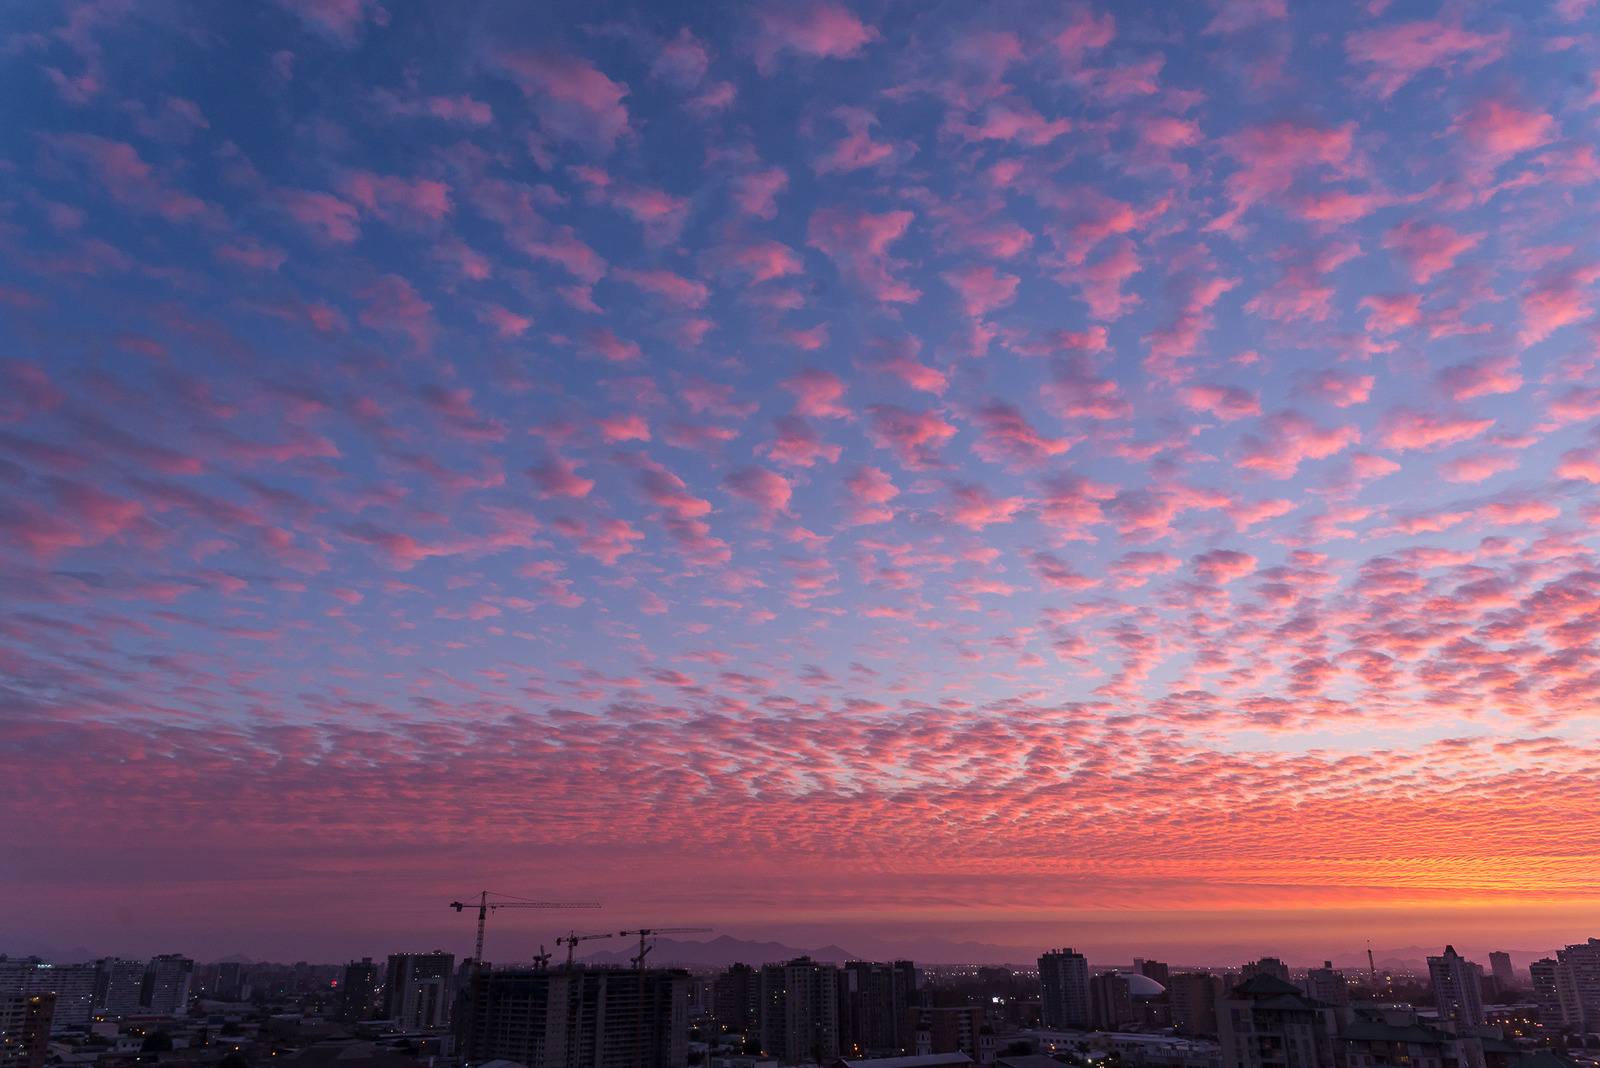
<point x="886" y="454"/>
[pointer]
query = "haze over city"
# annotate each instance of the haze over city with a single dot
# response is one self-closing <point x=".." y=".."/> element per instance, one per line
<point x="942" y="481"/>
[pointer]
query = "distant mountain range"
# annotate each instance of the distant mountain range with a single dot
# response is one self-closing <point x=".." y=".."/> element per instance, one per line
<point x="725" y="950"/>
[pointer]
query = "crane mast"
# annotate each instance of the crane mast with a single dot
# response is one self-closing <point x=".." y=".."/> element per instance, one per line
<point x="485" y="906"/>
<point x="638" y="966"/>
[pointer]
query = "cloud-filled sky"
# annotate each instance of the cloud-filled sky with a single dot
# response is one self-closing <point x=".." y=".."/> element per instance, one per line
<point x="803" y="463"/>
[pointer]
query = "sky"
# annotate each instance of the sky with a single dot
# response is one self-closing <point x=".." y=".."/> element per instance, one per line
<point x="1047" y="474"/>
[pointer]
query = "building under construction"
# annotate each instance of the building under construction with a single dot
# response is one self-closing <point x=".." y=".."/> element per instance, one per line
<point x="578" y="1018"/>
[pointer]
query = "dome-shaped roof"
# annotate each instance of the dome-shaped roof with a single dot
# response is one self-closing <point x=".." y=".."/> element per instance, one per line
<point x="1142" y="986"/>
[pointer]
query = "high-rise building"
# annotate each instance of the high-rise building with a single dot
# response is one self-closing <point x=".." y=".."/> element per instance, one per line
<point x="1394" y="1036"/>
<point x="800" y="1011"/>
<point x="417" y="988"/>
<point x="583" y="1018"/>
<point x="118" y="987"/>
<point x="1265" y="966"/>
<point x="1153" y="969"/>
<point x="1267" y="1022"/>
<point x="1064" y="991"/>
<point x="358" y="991"/>
<point x="1193" y="997"/>
<point x="1457" y="989"/>
<point x="230" y="981"/>
<point x="1500" y="967"/>
<point x="72" y="985"/>
<point x="1112" y="1001"/>
<point x="1556" y="995"/>
<point x="166" y="985"/>
<point x="736" y="999"/>
<point x="873" y="999"/>
<point x="1583" y="964"/>
<point x="1326" y="984"/>
<point x="25" y="1029"/>
<point x="951" y="1029"/>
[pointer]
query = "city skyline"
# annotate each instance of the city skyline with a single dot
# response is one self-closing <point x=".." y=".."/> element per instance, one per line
<point x="1119" y="475"/>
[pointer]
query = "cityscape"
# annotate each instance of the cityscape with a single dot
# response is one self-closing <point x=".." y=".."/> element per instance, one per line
<point x="413" y="1009"/>
<point x="891" y="533"/>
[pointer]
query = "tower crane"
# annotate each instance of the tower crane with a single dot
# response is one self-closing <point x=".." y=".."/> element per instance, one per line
<point x="643" y="933"/>
<point x="638" y="965"/>
<point x="485" y="906"/>
<point x="571" y="942"/>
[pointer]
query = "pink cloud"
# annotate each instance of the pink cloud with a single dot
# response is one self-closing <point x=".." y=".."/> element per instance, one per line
<point x="767" y="490"/>
<point x="1403" y="428"/>
<point x="1477" y="467"/>
<point x="858" y="242"/>
<point x="1339" y="388"/>
<point x="1085" y="32"/>
<point x="756" y="192"/>
<point x="915" y="437"/>
<point x="814" y="29"/>
<point x="1579" y="463"/>
<point x="1555" y="299"/>
<point x="82" y="516"/>
<point x="389" y="197"/>
<point x="1480" y="378"/>
<point x="799" y="444"/>
<point x="1428" y="250"/>
<point x="1390" y="313"/>
<point x="323" y="213"/>
<point x="682" y="60"/>
<point x="506" y="322"/>
<point x="1496" y="131"/>
<point x="1246" y="514"/>
<point x="1006" y="437"/>
<point x="681" y="514"/>
<point x="557" y="477"/>
<point x="1058" y="573"/>
<point x="981" y="289"/>
<point x="630" y="426"/>
<point x="132" y="182"/>
<point x="394" y="305"/>
<point x="574" y="101"/>
<point x="1237" y="16"/>
<point x="1102" y="282"/>
<point x="816" y="393"/>
<point x="601" y="342"/>
<point x="462" y="109"/>
<point x="340" y="20"/>
<point x="870" y="492"/>
<point x="26" y="390"/>
<point x="1287" y="440"/>
<point x="605" y="539"/>
<point x="1181" y="336"/>
<point x="668" y="285"/>
<point x="917" y="375"/>
<point x="1272" y="157"/>
<point x="857" y="150"/>
<point x="1077" y="390"/>
<point x="1394" y="55"/>
<point x="660" y="213"/>
<point x="1223" y="565"/>
<point x="763" y="261"/>
<point x="1011" y="120"/>
<point x="1070" y="505"/>
<point x="1573" y="406"/>
<point x="1225" y="402"/>
<point x="974" y="507"/>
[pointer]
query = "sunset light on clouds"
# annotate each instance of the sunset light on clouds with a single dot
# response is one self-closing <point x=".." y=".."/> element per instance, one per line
<point x="960" y="469"/>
